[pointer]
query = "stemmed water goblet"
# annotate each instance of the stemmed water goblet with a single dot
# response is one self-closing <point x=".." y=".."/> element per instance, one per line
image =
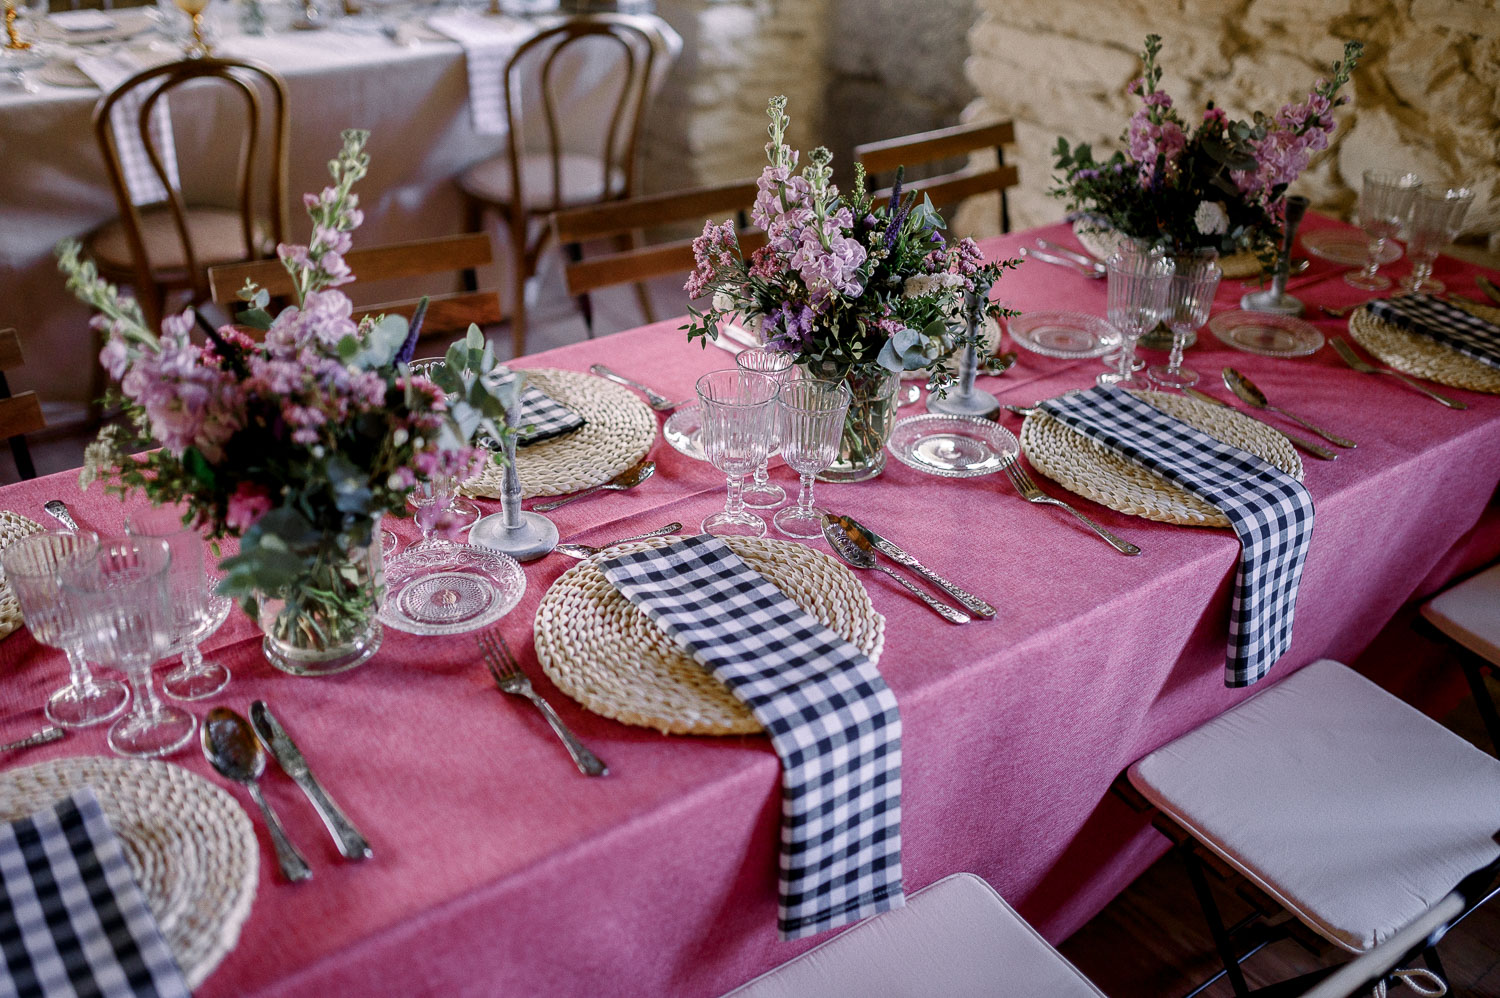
<point x="33" y="566"/>
<point x="1384" y="201"/>
<point x="1435" y="221"/>
<point x="192" y="601"/>
<point x="1138" y="284"/>
<point x="762" y="493"/>
<point x="127" y="622"/>
<point x="1190" y="297"/>
<point x="739" y="412"/>
<point x="812" y="420"/>
<point x="460" y="512"/>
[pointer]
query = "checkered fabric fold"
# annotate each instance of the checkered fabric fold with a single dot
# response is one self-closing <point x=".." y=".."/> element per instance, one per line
<point x="1270" y="511"/>
<point x="831" y="718"/>
<point x="72" y="920"/>
<point x="541" y="416"/>
<point x="1449" y="325"/>
<point x="141" y="181"/>
<point x="488" y="46"/>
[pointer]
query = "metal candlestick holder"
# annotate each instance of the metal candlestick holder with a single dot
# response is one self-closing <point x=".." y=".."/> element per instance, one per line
<point x="1275" y="299"/>
<point x="968" y="400"/>
<point x="523" y="535"/>
<point x="13" y="41"/>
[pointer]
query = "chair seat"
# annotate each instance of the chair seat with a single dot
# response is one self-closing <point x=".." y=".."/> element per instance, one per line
<point x="1353" y="809"/>
<point x="582" y="180"/>
<point x="954" y="938"/>
<point x="215" y="233"/>
<point x="1469" y="614"/>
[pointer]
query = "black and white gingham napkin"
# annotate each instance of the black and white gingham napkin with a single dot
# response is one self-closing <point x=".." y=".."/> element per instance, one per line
<point x="488" y="45"/>
<point x="541" y="416"/>
<point x="1449" y="325"/>
<point x="140" y="177"/>
<point x="1270" y="511"/>
<point x="831" y="718"/>
<point x="72" y="920"/>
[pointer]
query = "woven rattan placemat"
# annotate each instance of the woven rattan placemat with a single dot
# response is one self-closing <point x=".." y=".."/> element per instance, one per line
<point x="606" y="654"/>
<point x="1090" y="469"/>
<point x="1425" y="358"/>
<point x="620" y="431"/>
<point x="190" y="845"/>
<point x="12" y="527"/>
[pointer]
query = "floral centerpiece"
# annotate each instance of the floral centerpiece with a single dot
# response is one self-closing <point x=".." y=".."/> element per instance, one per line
<point x="1219" y="186"/>
<point x="859" y="291"/>
<point x="294" y="441"/>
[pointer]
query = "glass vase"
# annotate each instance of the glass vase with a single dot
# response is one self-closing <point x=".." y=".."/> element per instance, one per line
<point x="867" y="426"/>
<point x="325" y="622"/>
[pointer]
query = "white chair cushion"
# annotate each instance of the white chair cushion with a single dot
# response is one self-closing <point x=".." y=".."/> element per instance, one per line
<point x="955" y="938"/>
<point x="582" y="180"/>
<point x="1469" y="613"/>
<point x="1356" y="811"/>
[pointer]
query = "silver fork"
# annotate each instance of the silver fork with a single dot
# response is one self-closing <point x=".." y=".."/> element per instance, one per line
<point x="1363" y="366"/>
<point x="509" y="677"/>
<point x="654" y="398"/>
<point x="1029" y="491"/>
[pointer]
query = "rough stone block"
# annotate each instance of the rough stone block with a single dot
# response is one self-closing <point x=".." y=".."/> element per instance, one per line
<point x="1473" y="17"/>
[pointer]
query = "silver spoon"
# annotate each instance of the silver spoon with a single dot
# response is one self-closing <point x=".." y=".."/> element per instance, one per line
<point x="59" y="512"/>
<point x="849" y="549"/>
<point x="229" y="743"/>
<point x="654" y="399"/>
<point x="1245" y="389"/>
<point x="581" y="551"/>
<point x="627" y="479"/>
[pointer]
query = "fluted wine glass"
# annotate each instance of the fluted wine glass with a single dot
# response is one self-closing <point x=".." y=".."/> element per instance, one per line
<point x="1190" y="297"/>
<point x="739" y="411"/>
<point x="812" y="420"/>
<point x="33" y="566"/>
<point x="1435" y="221"/>
<point x="1384" y="202"/>
<point x="124" y="604"/>
<point x="192" y="601"/>
<point x="762" y="493"/>
<point x="1139" y="281"/>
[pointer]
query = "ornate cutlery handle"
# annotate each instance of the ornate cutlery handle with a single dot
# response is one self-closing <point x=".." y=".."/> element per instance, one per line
<point x="1332" y="438"/>
<point x="658" y="401"/>
<point x="1119" y="544"/>
<point x="544" y="507"/>
<point x="42" y="737"/>
<point x="942" y="609"/>
<point x="293" y="866"/>
<point x="352" y="845"/>
<point x="970" y="602"/>
<point x="587" y="762"/>
<point x="59" y="511"/>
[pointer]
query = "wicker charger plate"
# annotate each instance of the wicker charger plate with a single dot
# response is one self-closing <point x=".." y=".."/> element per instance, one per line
<point x="13" y="526"/>
<point x="1090" y="469"/>
<point x="1100" y="244"/>
<point x="606" y="654"/>
<point x="190" y="846"/>
<point x="621" y="429"/>
<point x="1424" y="358"/>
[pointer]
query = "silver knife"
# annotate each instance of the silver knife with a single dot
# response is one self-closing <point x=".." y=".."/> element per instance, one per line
<point x="1488" y="287"/>
<point x="351" y="844"/>
<point x="1316" y="450"/>
<point x="894" y="552"/>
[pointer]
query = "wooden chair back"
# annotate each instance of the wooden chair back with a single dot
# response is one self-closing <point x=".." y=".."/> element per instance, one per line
<point x="254" y="85"/>
<point x="591" y="222"/>
<point x="19" y="414"/>
<point x="446" y="313"/>
<point x="948" y="189"/>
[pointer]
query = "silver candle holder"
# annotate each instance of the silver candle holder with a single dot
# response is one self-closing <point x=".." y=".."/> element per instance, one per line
<point x="967" y="400"/>
<point x="522" y="534"/>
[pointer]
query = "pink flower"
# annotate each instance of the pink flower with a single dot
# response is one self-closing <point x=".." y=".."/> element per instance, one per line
<point x="247" y="504"/>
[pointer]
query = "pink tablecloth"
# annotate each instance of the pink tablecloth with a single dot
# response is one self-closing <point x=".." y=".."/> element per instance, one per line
<point x="499" y="870"/>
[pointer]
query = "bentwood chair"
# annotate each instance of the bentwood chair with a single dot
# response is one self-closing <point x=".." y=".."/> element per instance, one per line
<point x="446" y="312"/>
<point x="1468" y="615"/>
<point x="1332" y="800"/>
<point x="19" y="414"/>
<point x="633" y="264"/>
<point x="955" y="938"/>
<point x="881" y="159"/>
<point x="548" y="168"/>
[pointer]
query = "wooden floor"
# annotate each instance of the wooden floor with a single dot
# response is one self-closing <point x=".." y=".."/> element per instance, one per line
<point x="1151" y="942"/>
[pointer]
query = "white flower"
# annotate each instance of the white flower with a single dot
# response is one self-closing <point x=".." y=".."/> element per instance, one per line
<point x="926" y="284"/>
<point x="1211" y="219"/>
<point x="724" y="302"/>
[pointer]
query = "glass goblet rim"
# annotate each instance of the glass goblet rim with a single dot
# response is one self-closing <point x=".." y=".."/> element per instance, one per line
<point x="709" y="399"/>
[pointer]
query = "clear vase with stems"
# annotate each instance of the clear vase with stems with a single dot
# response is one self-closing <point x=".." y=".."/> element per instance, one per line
<point x="867" y="424"/>
<point x="325" y="620"/>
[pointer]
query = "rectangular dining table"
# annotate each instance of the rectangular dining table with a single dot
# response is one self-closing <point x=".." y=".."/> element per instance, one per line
<point x="498" y="869"/>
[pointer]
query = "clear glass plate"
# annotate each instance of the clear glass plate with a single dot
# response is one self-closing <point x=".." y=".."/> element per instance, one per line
<point x="448" y="588"/>
<point x="1067" y="335"/>
<point x="1351" y="249"/>
<point x="1267" y="333"/>
<point x="952" y="446"/>
<point x="684" y="431"/>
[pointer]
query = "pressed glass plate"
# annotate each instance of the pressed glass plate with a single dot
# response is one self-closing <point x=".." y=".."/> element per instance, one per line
<point x="1067" y="335"/>
<point x="684" y="431"/>
<point x="1267" y="333"/>
<point x="448" y="588"/>
<point x="952" y="446"/>
<point x="1351" y="249"/>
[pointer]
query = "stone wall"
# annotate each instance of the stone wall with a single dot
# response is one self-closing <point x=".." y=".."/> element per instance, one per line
<point x="1426" y="98"/>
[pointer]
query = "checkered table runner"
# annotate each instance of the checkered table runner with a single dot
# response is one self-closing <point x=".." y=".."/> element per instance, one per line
<point x="1270" y="511"/>
<point x="831" y="718"/>
<point x="541" y="416"/>
<point x="141" y="181"/>
<point x="1449" y="325"/>
<point x="488" y="45"/>
<point x="72" y="920"/>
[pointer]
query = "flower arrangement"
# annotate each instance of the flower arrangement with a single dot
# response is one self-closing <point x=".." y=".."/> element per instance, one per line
<point x="295" y="442"/>
<point x="1220" y="186"/>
